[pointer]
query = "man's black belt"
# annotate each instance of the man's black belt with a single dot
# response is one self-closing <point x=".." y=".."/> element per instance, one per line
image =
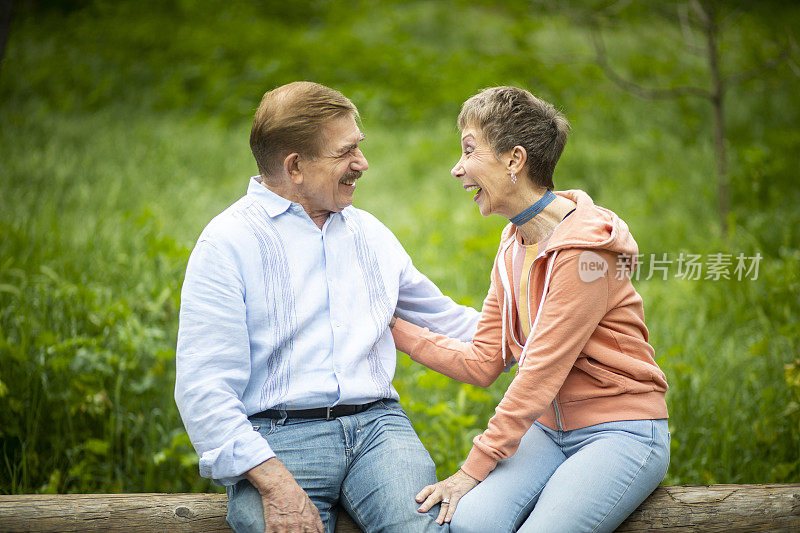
<point x="328" y="413"/>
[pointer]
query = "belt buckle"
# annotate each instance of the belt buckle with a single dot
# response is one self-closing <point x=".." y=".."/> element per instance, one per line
<point x="328" y="414"/>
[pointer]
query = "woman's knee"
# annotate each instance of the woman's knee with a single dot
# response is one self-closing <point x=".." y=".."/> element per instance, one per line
<point x="466" y="520"/>
<point x="471" y="517"/>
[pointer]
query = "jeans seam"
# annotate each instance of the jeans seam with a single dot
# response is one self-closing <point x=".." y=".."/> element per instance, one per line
<point x="355" y="515"/>
<point x="519" y="513"/>
<point x="649" y="454"/>
<point x="347" y="444"/>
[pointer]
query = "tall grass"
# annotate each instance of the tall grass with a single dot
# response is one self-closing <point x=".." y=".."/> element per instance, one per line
<point x="108" y="176"/>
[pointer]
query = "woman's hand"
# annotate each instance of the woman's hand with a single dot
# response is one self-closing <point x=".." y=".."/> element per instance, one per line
<point x="447" y="491"/>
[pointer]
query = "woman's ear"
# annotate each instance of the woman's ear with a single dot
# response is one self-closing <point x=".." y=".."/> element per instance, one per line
<point x="291" y="165"/>
<point x="516" y="159"/>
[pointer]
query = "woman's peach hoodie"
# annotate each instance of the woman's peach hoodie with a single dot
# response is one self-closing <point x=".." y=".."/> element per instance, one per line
<point x="587" y="359"/>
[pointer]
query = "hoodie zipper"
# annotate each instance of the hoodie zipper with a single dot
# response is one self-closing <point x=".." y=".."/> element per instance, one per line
<point x="558" y="415"/>
<point x="507" y="293"/>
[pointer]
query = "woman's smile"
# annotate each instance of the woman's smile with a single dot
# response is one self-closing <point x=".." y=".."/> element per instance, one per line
<point x="474" y="187"/>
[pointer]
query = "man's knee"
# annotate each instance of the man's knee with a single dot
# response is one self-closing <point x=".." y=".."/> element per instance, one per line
<point x="407" y="519"/>
<point x="245" y="509"/>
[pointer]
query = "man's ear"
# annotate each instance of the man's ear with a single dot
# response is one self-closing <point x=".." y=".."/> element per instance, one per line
<point x="516" y="158"/>
<point x="291" y="165"/>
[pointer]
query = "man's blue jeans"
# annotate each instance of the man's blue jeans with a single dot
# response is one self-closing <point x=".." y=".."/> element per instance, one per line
<point x="588" y="479"/>
<point x="372" y="464"/>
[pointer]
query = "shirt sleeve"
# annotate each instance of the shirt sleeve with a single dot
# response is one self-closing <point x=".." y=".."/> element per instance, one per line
<point x="420" y="302"/>
<point x="213" y="368"/>
<point x="479" y="362"/>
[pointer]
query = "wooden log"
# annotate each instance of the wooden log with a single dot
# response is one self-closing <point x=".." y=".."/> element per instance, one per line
<point x="718" y="508"/>
<point x="125" y="513"/>
<point x="727" y="508"/>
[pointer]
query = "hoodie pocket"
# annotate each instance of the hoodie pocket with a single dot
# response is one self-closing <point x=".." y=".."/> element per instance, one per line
<point x="593" y="379"/>
<point x="589" y="379"/>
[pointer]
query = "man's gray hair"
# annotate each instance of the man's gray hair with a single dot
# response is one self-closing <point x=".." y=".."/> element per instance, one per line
<point x="509" y="116"/>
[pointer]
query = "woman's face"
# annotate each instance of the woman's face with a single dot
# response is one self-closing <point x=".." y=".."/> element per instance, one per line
<point x="479" y="170"/>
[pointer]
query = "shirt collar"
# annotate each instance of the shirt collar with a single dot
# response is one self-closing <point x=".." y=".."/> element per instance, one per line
<point x="274" y="204"/>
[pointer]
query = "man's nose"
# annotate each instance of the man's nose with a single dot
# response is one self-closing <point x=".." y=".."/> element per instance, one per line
<point x="360" y="162"/>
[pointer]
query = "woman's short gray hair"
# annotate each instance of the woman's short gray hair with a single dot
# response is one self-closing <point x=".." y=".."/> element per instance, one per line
<point x="509" y="116"/>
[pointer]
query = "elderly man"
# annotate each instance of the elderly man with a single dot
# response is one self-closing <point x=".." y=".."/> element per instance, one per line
<point x="285" y="359"/>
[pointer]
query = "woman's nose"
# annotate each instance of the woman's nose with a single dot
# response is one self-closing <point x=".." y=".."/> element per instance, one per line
<point x="458" y="170"/>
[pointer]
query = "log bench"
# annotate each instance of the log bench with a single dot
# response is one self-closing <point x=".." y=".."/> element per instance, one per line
<point x="670" y="508"/>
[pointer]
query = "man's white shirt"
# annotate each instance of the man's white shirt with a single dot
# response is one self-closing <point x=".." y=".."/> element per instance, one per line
<point x="276" y="313"/>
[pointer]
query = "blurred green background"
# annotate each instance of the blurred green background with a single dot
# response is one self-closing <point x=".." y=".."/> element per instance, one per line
<point x="124" y="129"/>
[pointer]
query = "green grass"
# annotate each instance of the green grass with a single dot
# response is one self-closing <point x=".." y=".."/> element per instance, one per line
<point x="119" y="146"/>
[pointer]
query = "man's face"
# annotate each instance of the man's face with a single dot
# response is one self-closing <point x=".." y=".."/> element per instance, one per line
<point x="329" y="180"/>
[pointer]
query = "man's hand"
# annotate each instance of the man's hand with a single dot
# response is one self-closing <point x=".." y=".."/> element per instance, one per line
<point x="287" y="507"/>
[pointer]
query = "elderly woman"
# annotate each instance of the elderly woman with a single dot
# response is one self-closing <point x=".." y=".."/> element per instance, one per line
<point x="580" y="437"/>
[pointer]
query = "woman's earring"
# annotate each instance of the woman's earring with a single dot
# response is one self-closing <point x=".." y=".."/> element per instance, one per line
<point x="513" y="178"/>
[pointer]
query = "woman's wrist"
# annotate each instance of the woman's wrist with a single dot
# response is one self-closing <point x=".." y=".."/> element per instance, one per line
<point x="470" y="477"/>
<point x="392" y="322"/>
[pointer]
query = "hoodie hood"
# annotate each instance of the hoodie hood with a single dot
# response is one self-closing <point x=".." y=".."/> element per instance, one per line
<point x="589" y="226"/>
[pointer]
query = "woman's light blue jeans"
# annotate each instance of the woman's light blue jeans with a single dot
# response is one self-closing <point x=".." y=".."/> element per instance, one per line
<point x="372" y="464"/>
<point x="588" y="479"/>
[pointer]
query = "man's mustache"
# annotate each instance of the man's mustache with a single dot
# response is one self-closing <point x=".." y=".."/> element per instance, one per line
<point x="353" y="174"/>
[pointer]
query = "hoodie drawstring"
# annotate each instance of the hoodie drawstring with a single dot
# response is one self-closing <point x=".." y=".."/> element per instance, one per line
<point x="506" y="292"/>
